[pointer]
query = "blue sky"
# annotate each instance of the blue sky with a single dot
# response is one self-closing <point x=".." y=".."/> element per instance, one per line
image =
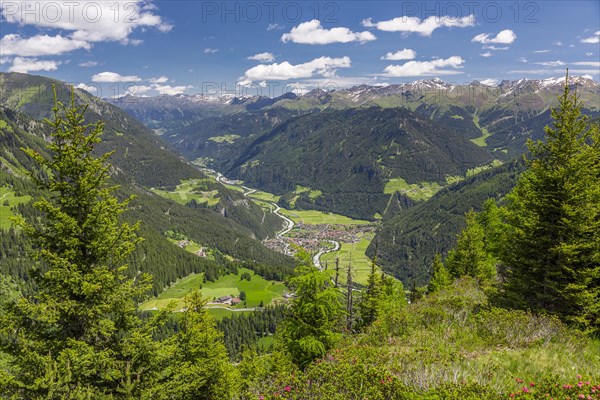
<point x="268" y="47"/>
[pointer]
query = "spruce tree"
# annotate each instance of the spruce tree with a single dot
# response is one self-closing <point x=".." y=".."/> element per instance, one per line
<point x="371" y="299"/>
<point x="196" y="365"/>
<point x="71" y="339"/>
<point x="469" y="256"/>
<point x="79" y="336"/>
<point x="312" y="326"/>
<point x="552" y="251"/>
<point x="441" y="277"/>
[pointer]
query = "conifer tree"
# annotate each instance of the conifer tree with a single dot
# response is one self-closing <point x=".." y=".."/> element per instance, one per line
<point x="196" y="362"/>
<point x="441" y="277"/>
<point x="370" y="302"/>
<point x="314" y="318"/>
<point x="490" y="219"/>
<point x="79" y="336"/>
<point x="71" y="339"/>
<point x="552" y="251"/>
<point x="469" y="256"/>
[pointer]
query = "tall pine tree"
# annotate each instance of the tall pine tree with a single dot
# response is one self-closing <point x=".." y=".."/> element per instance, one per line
<point x="71" y="339"/>
<point x="312" y="326"/>
<point x="470" y="257"/>
<point x="440" y="277"/>
<point x="552" y="251"/>
<point x="79" y="336"/>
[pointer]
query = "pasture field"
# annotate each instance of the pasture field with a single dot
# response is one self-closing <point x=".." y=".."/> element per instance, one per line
<point x="476" y="170"/>
<point x="313" y="217"/>
<point x="419" y="192"/>
<point x="186" y="191"/>
<point x="257" y="290"/>
<point x="481" y="141"/>
<point x="354" y="253"/>
<point x="8" y="199"/>
<point x="264" y="196"/>
<point x="229" y="139"/>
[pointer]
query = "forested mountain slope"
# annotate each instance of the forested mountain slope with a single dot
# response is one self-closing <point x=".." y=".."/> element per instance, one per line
<point x="349" y="155"/>
<point x="407" y="243"/>
<point x="230" y="228"/>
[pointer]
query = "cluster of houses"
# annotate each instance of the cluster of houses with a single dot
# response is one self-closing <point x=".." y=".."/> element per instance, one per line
<point x="311" y="236"/>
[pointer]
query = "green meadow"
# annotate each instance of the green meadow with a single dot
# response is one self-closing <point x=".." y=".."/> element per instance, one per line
<point x="8" y="199"/>
<point x="188" y="190"/>
<point x="257" y="290"/>
<point x="354" y="254"/>
<point x="419" y="192"/>
<point x="313" y="217"/>
<point x="481" y="141"/>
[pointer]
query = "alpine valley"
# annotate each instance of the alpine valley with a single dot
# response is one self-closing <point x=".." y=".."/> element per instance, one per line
<point x="278" y="209"/>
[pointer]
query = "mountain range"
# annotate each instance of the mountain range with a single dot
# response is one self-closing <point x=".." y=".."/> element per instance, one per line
<point x="365" y="152"/>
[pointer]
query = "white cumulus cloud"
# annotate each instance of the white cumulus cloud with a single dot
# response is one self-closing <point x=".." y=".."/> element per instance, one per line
<point x="273" y="26"/>
<point x="487" y="54"/>
<point x="592" y="39"/>
<point x="426" y="68"/>
<point x="161" y="79"/>
<point x="88" y="21"/>
<point x="423" y="27"/>
<point x="25" y="65"/>
<point x="263" y="57"/>
<point x="210" y="51"/>
<point x="312" y="32"/>
<point x="323" y="66"/>
<point x="506" y="36"/>
<point x="40" y="45"/>
<point x="112" y="77"/>
<point x="170" y="90"/>
<point x="87" y="88"/>
<point x="587" y="64"/>
<point x="404" y="54"/>
<point x="496" y="48"/>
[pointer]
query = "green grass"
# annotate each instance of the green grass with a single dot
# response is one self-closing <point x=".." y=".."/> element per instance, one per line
<point x="419" y="192"/>
<point x="312" y="194"/>
<point x="5" y="127"/>
<point x="229" y="139"/>
<point x="264" y="196"/>
<point x="220" y="313"/>
<point x="186" y="191"/>
<point x="314" y="217"/>
<point x="355" y="253"/>
<point x="257" y="289"/>
<point x="265" y="343"/>
<point x="476" y="170"/>
<point x="450" y="179"/>
<point x="7" y="196"/>
<point x="485" y="134"/>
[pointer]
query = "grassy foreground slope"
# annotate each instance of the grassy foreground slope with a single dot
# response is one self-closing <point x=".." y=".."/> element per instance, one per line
<point x="451" y="345"/>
